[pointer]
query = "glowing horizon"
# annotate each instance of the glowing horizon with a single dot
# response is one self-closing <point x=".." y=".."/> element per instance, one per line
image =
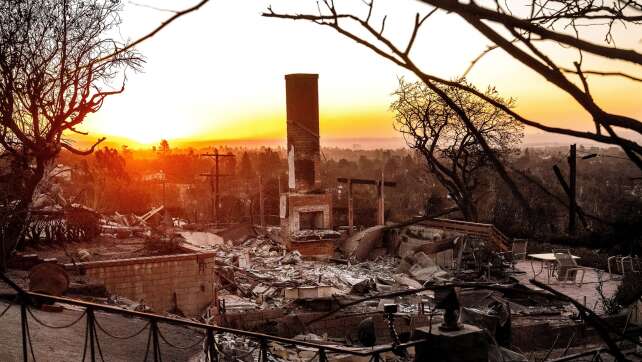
<point x="218" y="74"/>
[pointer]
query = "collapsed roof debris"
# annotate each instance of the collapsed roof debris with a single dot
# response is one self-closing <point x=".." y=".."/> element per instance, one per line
<point x="316" y="283"/>
<point x="257" y="273"/>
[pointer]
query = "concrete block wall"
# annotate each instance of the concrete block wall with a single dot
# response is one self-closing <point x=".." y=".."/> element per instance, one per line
<point x="164" y="283"/>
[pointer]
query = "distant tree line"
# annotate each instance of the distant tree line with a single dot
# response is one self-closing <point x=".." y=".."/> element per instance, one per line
<point x="129" y="181"/>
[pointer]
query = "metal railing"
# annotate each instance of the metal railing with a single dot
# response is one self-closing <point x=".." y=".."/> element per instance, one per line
<point x="488" y="231"/>
<point x="92" y="349"/>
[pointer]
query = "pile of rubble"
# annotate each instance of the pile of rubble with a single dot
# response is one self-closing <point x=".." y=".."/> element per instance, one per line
<point x="260" y="273"/>
<point x="317" y="234"/>
<point x="124" y="226"/>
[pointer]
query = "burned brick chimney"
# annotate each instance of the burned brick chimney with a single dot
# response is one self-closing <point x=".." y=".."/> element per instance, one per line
<point x="305" y="209"/>
<point x="302" y="99"/>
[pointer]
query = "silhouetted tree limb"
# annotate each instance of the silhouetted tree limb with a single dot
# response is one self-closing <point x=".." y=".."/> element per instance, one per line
<point x="498" y="16"/>
<point x="58" y="60"/>
<point x="165" y="23"/>
<point x="402" y="58"/>
<point x="539" y="26"/>
<point x="451" y="151"/>
<point x="563" y="202"/>
<point x="605" y="74"/>
<point x="76" y="151"/>
<point x="552" y="73"/>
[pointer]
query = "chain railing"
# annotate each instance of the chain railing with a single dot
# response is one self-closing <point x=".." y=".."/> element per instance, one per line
<point x="93" y="351"/>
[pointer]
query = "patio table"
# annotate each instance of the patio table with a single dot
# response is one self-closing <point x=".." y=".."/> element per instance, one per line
<point x="546" y="260"/>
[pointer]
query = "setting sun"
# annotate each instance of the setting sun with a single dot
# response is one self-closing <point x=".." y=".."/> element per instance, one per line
<point x="319" y="180"/>
<point x="200" y="89"/>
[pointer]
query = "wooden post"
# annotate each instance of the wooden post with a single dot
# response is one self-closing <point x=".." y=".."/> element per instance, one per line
<point x="350" y="208"/>
<point x="164" y="181"/>
<point x="217" y="207"/>
<point x="165" y="217"/>
<point x="567" y="190"/>
<point x="25" y="325"/>
<point x="572" y="161"/>
<point x="278" y="179"/>
<point x="91" y="334"/>
<point x="3" y="259"/>
<point x="381" y="219"/>
<point x="380" y="184"/>
<point x="212" y="211"/>
<point x="261" y="202"/>
<point x="247" y="188"/>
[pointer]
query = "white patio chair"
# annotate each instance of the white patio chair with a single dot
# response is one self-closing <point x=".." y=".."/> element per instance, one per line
<point x="567" y="269"/>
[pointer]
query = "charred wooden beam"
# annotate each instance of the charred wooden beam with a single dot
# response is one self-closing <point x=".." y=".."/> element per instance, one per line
<point x="359" y="181"/>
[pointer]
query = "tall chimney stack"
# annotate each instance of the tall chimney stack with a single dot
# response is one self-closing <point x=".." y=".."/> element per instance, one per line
<point x="304" y="158"/>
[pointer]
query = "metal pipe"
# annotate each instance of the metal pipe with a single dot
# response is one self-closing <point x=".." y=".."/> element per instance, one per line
<point x="575" y="356"/>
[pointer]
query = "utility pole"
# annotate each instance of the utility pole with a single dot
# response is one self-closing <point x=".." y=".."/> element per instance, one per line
<point x="164" y="181"/>
<point x="214" y="183"/>
<point x="381" y="218"/>
<point x="570" y="189"/>
<point x="572" y="166"/>
<point x="350" y="208"/>
<point x="261" y="202"/>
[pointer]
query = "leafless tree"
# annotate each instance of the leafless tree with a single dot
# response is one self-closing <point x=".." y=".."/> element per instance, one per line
<point x="59" y="61"/>
<point x="521" y="34"/>
<point x="449" y="148"/>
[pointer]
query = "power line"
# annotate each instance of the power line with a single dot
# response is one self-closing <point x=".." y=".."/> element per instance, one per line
<point x="602" y="155"/>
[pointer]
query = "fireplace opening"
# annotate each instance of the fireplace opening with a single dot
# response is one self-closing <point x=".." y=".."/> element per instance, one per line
<point x="311" y="220"/>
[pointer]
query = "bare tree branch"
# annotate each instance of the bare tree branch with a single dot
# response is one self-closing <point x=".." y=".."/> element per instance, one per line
<point x="473" y="10"/>
<point x="76" y="151"/>
<point x="149" y="35"/>
<point x="604" y="73"/>
<point x="58" y="60"/>
<point x="523" y="29"/>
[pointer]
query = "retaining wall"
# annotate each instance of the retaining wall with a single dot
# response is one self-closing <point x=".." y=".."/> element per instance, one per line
<point x="183" y="282"/>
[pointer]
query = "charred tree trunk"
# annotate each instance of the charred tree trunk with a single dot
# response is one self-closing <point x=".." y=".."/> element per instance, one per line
<point x="17" y="208"/>
<point x="470" y="213"/>
<point x="467" y="207"/>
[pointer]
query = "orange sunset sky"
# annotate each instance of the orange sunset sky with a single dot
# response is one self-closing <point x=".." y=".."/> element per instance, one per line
<point x="217" y="74"/>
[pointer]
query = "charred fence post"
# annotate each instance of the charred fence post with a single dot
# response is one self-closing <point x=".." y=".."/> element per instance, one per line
<point x="264" y="350"/>
<point x="155" y="341"/>
<point x="212" y="353"/>
<point x="322" y="356"/>
<point x="90" y="334"/>
<point x="25" y="327"/>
